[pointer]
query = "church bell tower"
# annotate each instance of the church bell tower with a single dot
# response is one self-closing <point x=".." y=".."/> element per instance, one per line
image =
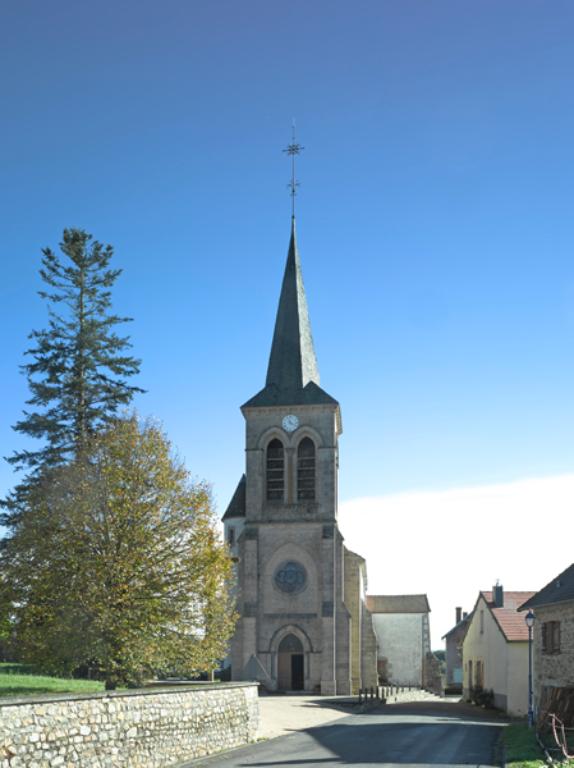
<point x="302" y="622"/>
<point x="296" y="421"/>
<point x="294" y="629"/>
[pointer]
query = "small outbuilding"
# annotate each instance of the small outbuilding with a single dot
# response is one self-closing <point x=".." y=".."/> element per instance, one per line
<point x="401" y="624"/>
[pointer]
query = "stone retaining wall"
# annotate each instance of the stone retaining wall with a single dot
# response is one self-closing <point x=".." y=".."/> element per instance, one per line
<point x="135" y="729"/>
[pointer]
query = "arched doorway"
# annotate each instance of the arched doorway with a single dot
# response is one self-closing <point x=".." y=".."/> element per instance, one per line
<point x="291" y="664"/>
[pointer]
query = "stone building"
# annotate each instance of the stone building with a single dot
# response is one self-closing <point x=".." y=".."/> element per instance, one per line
<point x="401" y="624"/>
<point x="453" y="646"/>
<point x="553" y="646"/>
<point x="303" y="620"/>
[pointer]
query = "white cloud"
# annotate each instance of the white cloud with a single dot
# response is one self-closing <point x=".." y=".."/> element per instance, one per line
<point x="452" y="543"/>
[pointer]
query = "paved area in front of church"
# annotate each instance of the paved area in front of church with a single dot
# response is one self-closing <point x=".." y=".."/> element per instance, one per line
<point x="415" y="734"/>
<point x="281" y="715"/>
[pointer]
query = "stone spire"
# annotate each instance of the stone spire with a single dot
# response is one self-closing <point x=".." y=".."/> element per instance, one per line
<point x="292" y="362"/>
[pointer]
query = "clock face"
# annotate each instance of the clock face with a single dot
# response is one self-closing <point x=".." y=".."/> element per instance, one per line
<point x="290" y="423"/>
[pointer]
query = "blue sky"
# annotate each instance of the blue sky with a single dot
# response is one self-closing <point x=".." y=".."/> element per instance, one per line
<point x="434" y="217"/>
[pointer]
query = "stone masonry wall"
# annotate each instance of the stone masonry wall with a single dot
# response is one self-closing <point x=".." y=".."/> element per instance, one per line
<point x="554" y="672"/>
<point x="432" y="678"/>
<point x="133" y="729"/>
<point x="555" y="669"/>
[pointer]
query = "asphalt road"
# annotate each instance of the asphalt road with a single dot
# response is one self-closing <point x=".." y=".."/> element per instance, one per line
<point x="401" y="734"/>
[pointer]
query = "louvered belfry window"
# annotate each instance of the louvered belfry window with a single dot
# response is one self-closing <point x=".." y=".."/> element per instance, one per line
<point x="275" y="471"/>
<point x="306" y="470"/>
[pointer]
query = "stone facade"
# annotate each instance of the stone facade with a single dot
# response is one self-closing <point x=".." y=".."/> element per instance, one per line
<point x="363" y="638"/>
<point x="553" y="670"/>
<point x="300" y="592"/>
<point x="453" y="642"/>
<point x="432" y="675"/>
<point x="553" y="642"/>
<point x="134" y="729"/>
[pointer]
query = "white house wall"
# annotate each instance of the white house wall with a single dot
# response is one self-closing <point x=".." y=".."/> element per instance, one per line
<point x="505" y="663"/>
<point x="490" y="647"/>
<point x="400" y="641"/>
<point x="518" y="678"/>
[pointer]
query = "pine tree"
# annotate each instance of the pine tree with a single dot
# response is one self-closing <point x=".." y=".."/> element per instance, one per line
<point x="80" y="366"/>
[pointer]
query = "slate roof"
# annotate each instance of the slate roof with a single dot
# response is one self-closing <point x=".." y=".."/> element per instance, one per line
<point x="273" y="395"/>
<point x="397" y="603"/>
<point x="510" y="622"/>
<point x="292" y="373"/>
<point x="463" y="623"/>
<point x="236" y="507"/>
<point x="559" y="590"/>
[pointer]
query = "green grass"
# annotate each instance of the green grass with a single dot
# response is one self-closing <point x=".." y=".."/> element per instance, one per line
<point x="20" y="680"/>
<point x="522" y="750"/>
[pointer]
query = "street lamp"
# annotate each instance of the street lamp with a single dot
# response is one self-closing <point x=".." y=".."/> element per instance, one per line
<point x="529" y="619"/>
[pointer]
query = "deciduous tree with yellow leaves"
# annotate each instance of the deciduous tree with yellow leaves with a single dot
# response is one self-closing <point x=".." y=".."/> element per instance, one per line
<point x="120" y="568"/>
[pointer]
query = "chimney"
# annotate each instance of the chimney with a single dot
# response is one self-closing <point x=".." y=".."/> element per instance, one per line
<point x="498" y="595"/>
<point x="458" y="615"/>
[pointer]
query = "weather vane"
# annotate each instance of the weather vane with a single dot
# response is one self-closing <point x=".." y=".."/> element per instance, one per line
<point x="293" y="150"/>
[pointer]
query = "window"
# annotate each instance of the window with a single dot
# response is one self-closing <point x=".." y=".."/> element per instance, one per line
<point x="275" y="470"/>
<point x="479" y="674"/>
<point x="482" y="622"/>
<point x="306" y="470"/>
<point x="231" y="536"/>
<point x="290" y="644"/>
<point x="551" y="637"/>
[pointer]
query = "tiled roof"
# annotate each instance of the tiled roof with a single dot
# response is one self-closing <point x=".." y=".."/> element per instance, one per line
<point x="558" y="590"/>
<point x="398" y="604"/>
<point x="511" y="623"/>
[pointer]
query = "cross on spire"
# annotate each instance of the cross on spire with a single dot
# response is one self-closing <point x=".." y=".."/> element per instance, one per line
<point x="293" y="150"/>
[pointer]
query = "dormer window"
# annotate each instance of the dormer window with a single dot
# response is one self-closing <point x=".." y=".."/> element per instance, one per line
<point x="275" y="471"/>
<point x="306" y="470"/>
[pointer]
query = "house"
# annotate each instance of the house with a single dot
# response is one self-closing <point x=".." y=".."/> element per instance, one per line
<point x="401" y="624"/>
<point x="453" y="645"/>
<point x="495" y="650"/>
<point x="553" y="646"/>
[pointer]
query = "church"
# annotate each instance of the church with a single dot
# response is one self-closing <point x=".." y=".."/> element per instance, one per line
<point x="301" y="594"/>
